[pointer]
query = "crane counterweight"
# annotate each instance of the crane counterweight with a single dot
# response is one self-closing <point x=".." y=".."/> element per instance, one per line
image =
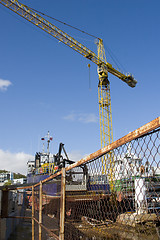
<point x="131" y="81"/>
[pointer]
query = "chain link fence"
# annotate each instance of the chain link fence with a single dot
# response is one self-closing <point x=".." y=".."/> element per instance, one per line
<point x="121" y="197"/>
<point x="113" y="193"/>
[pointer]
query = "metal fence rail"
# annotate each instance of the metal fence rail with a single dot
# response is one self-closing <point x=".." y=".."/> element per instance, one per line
<point x="125" y="205"/>
<point x="113" y="193"/>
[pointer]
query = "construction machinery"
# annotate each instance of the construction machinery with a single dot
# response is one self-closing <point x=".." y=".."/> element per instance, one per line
<point x="99" y="59"/>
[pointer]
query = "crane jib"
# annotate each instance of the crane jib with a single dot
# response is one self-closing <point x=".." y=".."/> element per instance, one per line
<point x="45" y="25"/>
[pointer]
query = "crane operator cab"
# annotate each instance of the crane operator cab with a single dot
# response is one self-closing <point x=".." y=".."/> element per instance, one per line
<point x="102" y="74"/>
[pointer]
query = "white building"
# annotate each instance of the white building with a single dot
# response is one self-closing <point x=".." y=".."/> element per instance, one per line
<point x="5" y="176"/>
<point x="19" y="181"/>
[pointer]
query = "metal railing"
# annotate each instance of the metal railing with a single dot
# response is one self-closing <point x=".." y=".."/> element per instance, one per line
<point x="82" y="201"/>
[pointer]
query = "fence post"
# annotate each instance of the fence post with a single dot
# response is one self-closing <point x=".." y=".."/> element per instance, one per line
<point x="32" y="212"/>
<point x="40" y="210"/>
<point x="4" y="203"/>
<point x="62" y="204"/>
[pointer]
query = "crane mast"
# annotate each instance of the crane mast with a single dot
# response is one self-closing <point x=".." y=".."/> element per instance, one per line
<point x="104" y="67"/>
<point x="105" y="114"/>
<point x="104" y="97"/>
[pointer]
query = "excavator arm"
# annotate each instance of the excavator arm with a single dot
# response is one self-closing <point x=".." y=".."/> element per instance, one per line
<point x="63" y="37"/>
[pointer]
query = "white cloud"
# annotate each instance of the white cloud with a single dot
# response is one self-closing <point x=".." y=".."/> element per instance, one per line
<point x="87" y="118"/>
<point x="4" y="84"/>
<point x="75" y="156"/>
<point x="15" y="162"/>
<point x="70" y="117"/>
<point x="82" y="117"/>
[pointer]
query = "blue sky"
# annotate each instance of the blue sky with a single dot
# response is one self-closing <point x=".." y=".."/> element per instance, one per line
<point x="44" y="85"/>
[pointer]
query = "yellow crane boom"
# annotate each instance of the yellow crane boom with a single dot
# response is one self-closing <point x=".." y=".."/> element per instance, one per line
<point x="104" y="67"/>
<point x="54" y="31"/>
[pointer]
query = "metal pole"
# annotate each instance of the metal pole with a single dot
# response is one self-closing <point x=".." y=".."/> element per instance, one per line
<point x="62" y="205"/>
<point x="4" y="203"/>
<point x="40" y="211"/>
<point x="32" y="212"/>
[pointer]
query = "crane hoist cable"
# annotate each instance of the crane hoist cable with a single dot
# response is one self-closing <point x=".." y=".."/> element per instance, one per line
<point x="78" y="29"/>
<point x="115" y="60"/>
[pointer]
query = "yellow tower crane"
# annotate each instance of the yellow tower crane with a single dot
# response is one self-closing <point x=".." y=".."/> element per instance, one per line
<point x="104" y="67"/>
